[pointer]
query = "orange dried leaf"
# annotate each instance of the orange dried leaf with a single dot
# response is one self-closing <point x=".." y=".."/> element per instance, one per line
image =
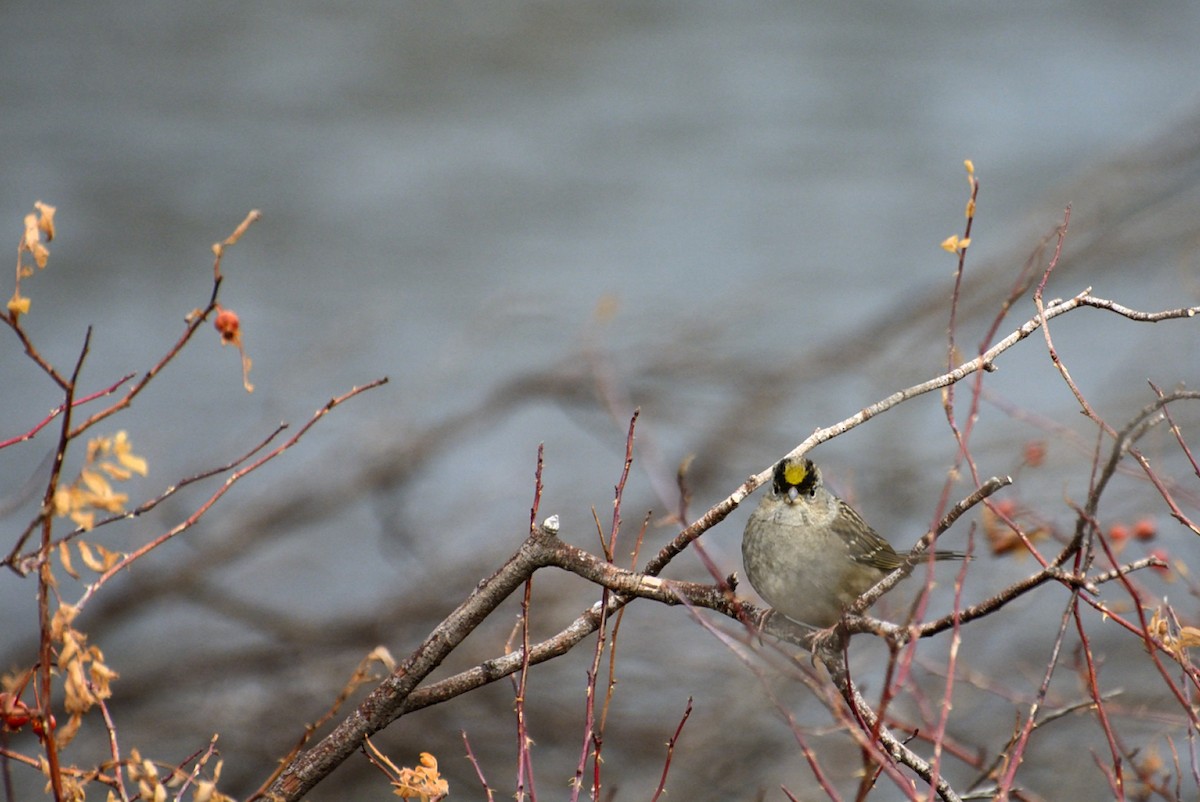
<point x="89" y="557"/>
<point x="109" y="557"/>
<point x="64" y="556"/>
<point x="64" y="616"/>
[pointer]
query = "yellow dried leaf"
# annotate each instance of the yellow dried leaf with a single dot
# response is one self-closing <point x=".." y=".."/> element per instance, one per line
<point x="62" y="619"/>
<point x="1189" y="637"/>
<point x="113" y="502"/>
<point x="41" y="254"/>
<point x="32" y="234"/>
<point x="970" y="165"/>
<point x="97" y="447"/>
<point x="46" y="221"/>
<point x="62" y="501"/>
<point x="95" y="482"/>
<point x="102" y="677"/>
<point x="384" y="656"/>
<point x="950" y="244"/>
<point x="18" y="304"/>
<point x="84" y="520"/>
<point x="134" y="463"/>
<point x="67" y="732"/>
<point x="115" y="471"/>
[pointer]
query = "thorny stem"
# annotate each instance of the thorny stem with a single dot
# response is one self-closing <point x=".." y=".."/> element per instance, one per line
<point x="22" y="564"/>
<point x="46" y="579"/>
<point x="397" y="695"/>
<point x="54" y="413"/>
<point x="662" y="783"/>
<point x="230" y="481"/>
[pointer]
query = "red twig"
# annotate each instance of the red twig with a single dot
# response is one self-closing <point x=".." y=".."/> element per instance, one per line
<point x="537" y="487"/>
<point x="29" y="435"/>
<point x="620" y="488"/>
<point x="478" y="769"/>
<point x="46" y="579"/>
<point x="233" y="479"/>
<point x="524" y="760"/>
<point x="593" y="736"/>
<point x="22" y="564"/>
<point x="819" y="686"/>
<point x="1116" y="779"/>
<point x="939" y="734"/>
<point x="114" y="749"/>
<point x="662" y="783"/>
<point x="1015" y="753"/>
<point x="193" y="321"/>
<point x="958" y="273"/>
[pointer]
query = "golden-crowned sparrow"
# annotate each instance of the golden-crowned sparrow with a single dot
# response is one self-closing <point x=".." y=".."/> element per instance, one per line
<point x="810" y="554"/>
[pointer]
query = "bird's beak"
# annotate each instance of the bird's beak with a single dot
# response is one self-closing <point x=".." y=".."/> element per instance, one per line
<point x="793" y="494"/>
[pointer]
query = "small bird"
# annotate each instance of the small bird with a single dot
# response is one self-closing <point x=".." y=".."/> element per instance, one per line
<point x="808" y="552"/>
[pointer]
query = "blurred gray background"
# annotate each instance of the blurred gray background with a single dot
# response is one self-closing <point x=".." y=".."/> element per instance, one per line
<point x="532" y="217"/>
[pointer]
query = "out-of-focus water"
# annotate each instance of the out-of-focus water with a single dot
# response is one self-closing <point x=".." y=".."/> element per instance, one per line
<point x="452" y="190"/>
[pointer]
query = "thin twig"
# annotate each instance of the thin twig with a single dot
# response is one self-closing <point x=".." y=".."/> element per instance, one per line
<point x="54" y="413"/>
<point x="193" y="322"/>
<point x="25" y="563"/>
<point x="230" y="481"/>
<point x="662" y="783"/>
<point x="478" y="769"/>
<point x="46" y="579"/>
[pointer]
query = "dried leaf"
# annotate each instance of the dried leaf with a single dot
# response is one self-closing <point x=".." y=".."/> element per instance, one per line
<point x="89" y="557"/>
<point x="64" y="555"/>
<point x="46" y="221"/>
<point x="18" y="304"/>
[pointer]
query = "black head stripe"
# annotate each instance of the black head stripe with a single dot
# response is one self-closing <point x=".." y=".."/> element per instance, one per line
<point x="779" y="482"/>
<point x="802" y="476"/>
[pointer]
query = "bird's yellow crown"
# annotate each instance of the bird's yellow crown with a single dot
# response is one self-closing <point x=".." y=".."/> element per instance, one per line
<point x="795" y="472"/>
